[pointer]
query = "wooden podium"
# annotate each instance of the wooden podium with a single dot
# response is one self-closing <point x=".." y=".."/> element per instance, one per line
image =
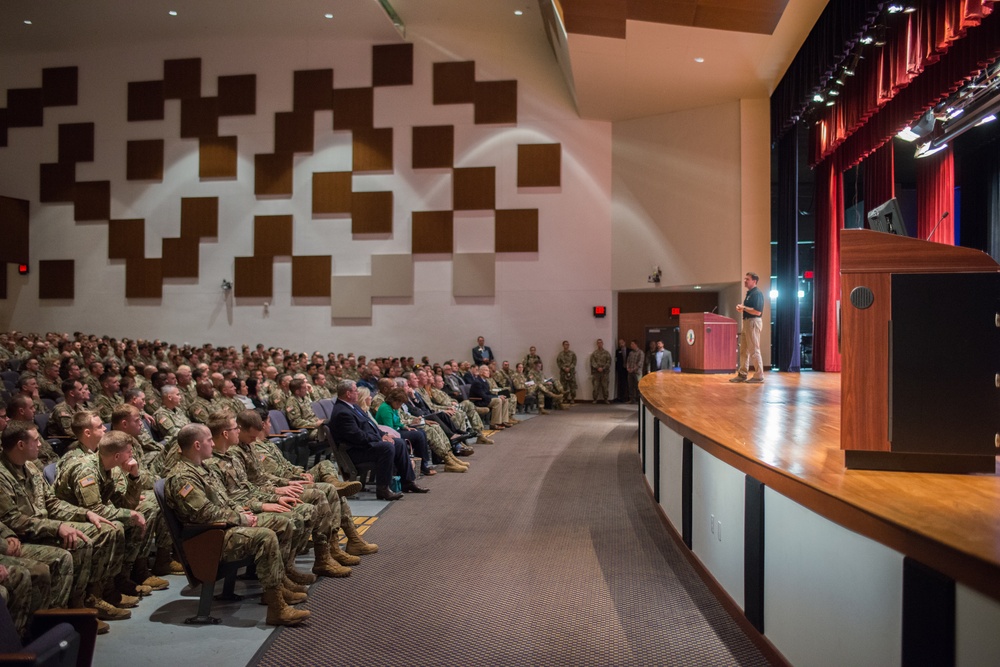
<point x="708" y="343"/>
<point x="920" y="342"/>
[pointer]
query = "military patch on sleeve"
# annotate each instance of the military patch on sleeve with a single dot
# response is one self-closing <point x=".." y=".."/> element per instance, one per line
<point x="186" y="490"/>
<point x="87" y="481"/>
<point x="263" y="457"/>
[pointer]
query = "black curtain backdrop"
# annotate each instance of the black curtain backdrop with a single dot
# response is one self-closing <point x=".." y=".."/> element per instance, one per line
<point x="979" y="174"/>
<point x="786" y="329"/>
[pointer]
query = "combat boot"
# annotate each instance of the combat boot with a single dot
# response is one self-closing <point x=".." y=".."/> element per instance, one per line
<point x="298" y="576"/>
<point x="325" y="566"/>
<point x="483" y="440"/>
<point x="341" y="557"/>
<point x="278" y="611"/>
<point x="542" y="411"/>
<point x="356" y="545"/>
<point x="107" y="611"/>
<point x="164" y="564"/>
<point x="290" y="585"/>
<point x="141" y="573"/>
<point x="102" y="627"/>
<point x="346" y="489"/>
<point x="290" y="596"/>
<point x="452" y="464"/>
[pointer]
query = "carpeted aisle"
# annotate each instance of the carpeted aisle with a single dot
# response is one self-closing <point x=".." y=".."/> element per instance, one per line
<point x="548" y="552"/>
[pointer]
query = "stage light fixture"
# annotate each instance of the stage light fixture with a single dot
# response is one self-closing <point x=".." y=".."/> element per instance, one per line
<point x="867" y="39"/>
<point x="928" y="149"/>
<point x="774" y="295"/>
<point x="818" y="97"/>
<point x="895" y="9"/>
<point x="920" y="129"/>
<point x="986" y="119"/>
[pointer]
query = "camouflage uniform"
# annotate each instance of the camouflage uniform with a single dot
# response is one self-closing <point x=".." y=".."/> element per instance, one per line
<point x="278" y="398"/>
<point x="234" y="405"/>
<point x="543" y="389"/>
<point x="30" y="509"/>
<point x="188" y="394"/>
<point x="153" y="400"/>
<point x="459" y="418"/>
<point x="567" y="359"/>
<point x="529" y="361"/>
<point x="510" y="405"/>
<point x="61" y="421"/>
<point x="30" y="582"/>
<point x="467" y="407"/>
<point x="170" y="422"/>
<point x="300" y="415"/>
<point x="199" y="409"/>
<point x="195" y="496"/>
<point x="105" y="405"/>
<point x="599" y="379"/>
<point x="319" y="393"/>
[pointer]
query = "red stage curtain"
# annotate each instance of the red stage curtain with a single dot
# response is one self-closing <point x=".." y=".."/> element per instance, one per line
<point x="936" y="196"/>
<point x="880" y="176"/>
<point x="829" y="222"/>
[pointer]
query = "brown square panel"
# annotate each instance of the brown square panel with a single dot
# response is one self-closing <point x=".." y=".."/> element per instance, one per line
<point x="433" y="147"/>
<point x="313" y="89"/>
<point x="144" y="160"/>
<point x="127" y="239"/>
<point x="474" y="188"/>
<point x="675" y="12"/>
<point x="14" y="217"/>
<point x="353" y="108"/>
<point x="217" y="157"/>
<point x="496" y="102"/>
<point x="273" y="174"/>
<point x="516" y="230"/>
<point x="145" y="100"/>
<point x="311" y="275"/>
<point x="3" y="128"/>
<point x="371" y="213"/>
<point x="737" y="19"/>
<point x="76" y="142"/>
<point x="180" y="258"/>
<point x="433" y="232"/>
<point x="24" y="107"/>
<point x="144" y="278"/>
<point x="392" y="65"/>
<point x="55" y="279"/>
<point x="253" y="277"/>
<point x="539" y="165"/>
<point x="455" y="83"/>
<point x="602" y="18"/>
<point x="293" y="132"/>
<point x="3" y="281"/>
<point x="92" y="200"/>
<point x="56" y="181"/>
<point x="199" y="217"/>
<point x="238" y="95"/>
<point x="182" y="79"/>
<point x="59" y="86"/>
<point x="272" y="236"/>
<point x="331" y="192"/>
<point x="372" y="149"/>
<point x="199" y="117"/>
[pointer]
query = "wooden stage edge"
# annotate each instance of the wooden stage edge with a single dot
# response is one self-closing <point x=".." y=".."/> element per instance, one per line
<point x="786" y="434"/>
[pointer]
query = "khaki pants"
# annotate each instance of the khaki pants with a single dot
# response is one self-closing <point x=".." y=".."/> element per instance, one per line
<point x="750" y="347"/>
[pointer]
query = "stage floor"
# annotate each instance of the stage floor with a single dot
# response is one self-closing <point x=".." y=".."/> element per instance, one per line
<point x="786" y="433"/>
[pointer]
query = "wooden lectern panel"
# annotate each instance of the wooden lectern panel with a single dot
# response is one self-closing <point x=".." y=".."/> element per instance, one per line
<point x="708" y="343"/>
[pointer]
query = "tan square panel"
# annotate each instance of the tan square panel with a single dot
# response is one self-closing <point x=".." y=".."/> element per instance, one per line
<point x="433" y="147"/>
<point x="217" y="157"/>
<point x="371" y="213"/>
<point x="238" y="95"/>
<point x="473" y="274"/>
<point x="293" y="132"/>
<point x="539" y="165"/>
<point x="331" y="192"/>
<point x="56" y="182"/>
<point x="145" y="100"/>
<point x="392" y="275"/>
<point x="474" y="188"/>
<point x="182" y="79"/>
<point x="180" y="258"/>
<point x="253" y="277"/>
<point x="351" y="297"/>
<point x="433" y="232"/>
<point x="516" y="230"/>
<point x="455" y="83"/>
<point x="76" y="142"/>
<point x="127" y="239"/>
<point x="199" y="117"/>
<point x="14" y="218"/>
<point x="313" y="89"/>
<point x="311" y="275"/>
<point x="59" y="86"/>
<point x="143" y="279"/>
<point x="92" y="200"/>
<point x="392" y="64"/>
<point x="496" y="102"/>
<point x="199" y="217"/>
<point x="272" y="236"/>
<point x="372" y="149"/>
<point x="144" y="160"/>
<point x="353" y="108"/>
<point x="273" y="174"/>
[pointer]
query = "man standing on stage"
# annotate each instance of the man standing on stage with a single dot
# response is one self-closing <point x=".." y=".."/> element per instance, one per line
<point x="752" y="309"/>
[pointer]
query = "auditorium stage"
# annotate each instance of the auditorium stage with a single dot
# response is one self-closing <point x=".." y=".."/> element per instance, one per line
<point x="785" y="434"/>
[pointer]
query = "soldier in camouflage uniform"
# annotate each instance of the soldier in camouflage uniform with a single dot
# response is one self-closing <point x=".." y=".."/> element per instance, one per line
<point x="21" y="408"/>
<point x="88" y="429"/>
<point x="150" y="452"/>
<point x="171" y="417"/>
<point x="531" y="358"/>
<point x="30" y="509"/>
<point x="201" y="406"/>
<point x="29" y="581"/>
<point x="186" y="386"/>
<point x="61" y="418"/>
<point x="196" y="497"/>
<point x="545" y="388"/>
<point x="280" y="392"/>
<point x="566" y="361"/>
<point x="49" y="384"/>
<point x="600" y="372"/>
<point x="109" y="397"/>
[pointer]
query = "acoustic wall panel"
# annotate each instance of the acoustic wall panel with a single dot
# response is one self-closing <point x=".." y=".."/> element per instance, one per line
<point x="433" y="147"/>
<point x="353" y="108"/>
<point x="293" y="132"/>
<point x="539" y="165"/>
<point x="272" y="236"/>
<point x="474" y="274"/>
<point x="273" y="174"/>
<point x="392" y="64"/>
<point x="313" y="89"/>
<point x="455" y="83"/>
<point x="76" y="142"/>
<point x="180" y="258"/>
<point x="59" y="86"/>
<point x="496" y="102"/>
<point x="127" y="239"/>
<point x="372" y="149"/>
<point x="217" y="157"/>
<point x="474" y="188"/>
<point x="145" y="100"/>
<point x="516" y="230"/>
<point x="4" y="124"/>
<point x="55" y="279"/>
<point x="331" y="192"/>
<point x="14" y="217"/>
<point x="200" y="217"/>
<point x="311" y="275"/>
<point x="144" y="160"/>
<point x="350" y="297"/>
<point x="55" y="182"/>
<point x="199" y="117"/>
<point x="237" y="95"/>
<point x="92" y="200"/>
<point x="433" y="232"/>
<point x="24" y="107"/>
<point x="182" y="79"/>
<point x="143" y="279"/>
<point x="371" y="213"/>
<point x="392" y="276"/>
<point x="253" y="277"/>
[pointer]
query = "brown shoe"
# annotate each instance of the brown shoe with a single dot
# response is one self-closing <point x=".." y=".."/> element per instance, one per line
<point x="385" y="493"/>
<point x="102" y="627"/>
<point x="347" y="489"/>
<point x="164" y="565"/>
<point x="334" y="552"/>
<point x="330" y="568"/>
<point x="107" y="611"/>
<point x="155" y="583"/>
<point x="483" y="440"/>
<point x="299" y="577"/>
<point x="356" y="546"/>
<point x="290" y="585"/>
<point x="278" y="611"/>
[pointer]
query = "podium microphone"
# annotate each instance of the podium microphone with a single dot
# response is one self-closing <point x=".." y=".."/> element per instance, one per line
<point x="943" y="216"/>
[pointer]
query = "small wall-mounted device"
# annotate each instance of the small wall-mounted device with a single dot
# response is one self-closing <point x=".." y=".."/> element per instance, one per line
<point x="654" y="277"/>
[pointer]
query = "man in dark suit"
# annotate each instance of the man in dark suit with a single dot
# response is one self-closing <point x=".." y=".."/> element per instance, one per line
<point x="660" y="359"/>
<point x="366" y="443"/>
<point x="482" y="397"/>
<point x="481" y="354"/>
<point x="621" y="375"/>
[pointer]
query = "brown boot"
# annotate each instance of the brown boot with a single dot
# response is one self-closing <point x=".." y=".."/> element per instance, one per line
<point x="107" y="611"/>
<point x="102" y="627"/>
<point x="356" y="545"/>
<point x="278" y="611"/>
<point x="326" y="566"/>
<point x="483" y="440"/>
<point x="346" y="489"/>
<point x="542" y="411"/>
<point x="299" y="577"/>
<point x="290" y="585"/>
<point x="341" y="557"/>
<point x="452" y="464"/>
<point x="164" y="564"/>
<point x="141" y="573"/>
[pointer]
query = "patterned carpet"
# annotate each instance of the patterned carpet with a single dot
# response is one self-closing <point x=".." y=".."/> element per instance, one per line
<point x="548" y="552"/>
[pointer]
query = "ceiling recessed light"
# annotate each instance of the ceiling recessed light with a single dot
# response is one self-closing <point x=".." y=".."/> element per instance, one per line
<point x="329" y="16"/>
<point x="699" y="59"/>
<point x="518" y="12"/>
<point x="172" y="13"/>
